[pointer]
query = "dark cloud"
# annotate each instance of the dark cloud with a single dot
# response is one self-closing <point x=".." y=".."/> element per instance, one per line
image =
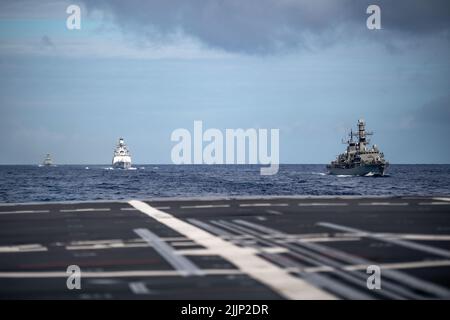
<point x="436" y="112"/>
<point x="264" y="26"/>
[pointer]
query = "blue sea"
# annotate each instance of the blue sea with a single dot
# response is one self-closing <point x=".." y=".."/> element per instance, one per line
<point x="97" y="182"/>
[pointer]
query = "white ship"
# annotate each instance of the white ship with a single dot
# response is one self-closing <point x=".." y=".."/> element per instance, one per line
<point x="122" y="156"/>
<point x="48" y="162"/>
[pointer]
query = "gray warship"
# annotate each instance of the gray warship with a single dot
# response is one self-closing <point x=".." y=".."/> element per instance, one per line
<point x="359" y="159"/>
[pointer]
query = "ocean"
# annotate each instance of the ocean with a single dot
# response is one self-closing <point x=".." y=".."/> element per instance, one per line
<point x="97" y="182"/>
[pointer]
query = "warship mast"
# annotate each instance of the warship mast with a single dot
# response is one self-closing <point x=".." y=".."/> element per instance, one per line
<point x="362" y="140"/>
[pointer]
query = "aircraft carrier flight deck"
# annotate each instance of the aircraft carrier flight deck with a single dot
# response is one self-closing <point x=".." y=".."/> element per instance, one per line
<point x="245" y="248"/>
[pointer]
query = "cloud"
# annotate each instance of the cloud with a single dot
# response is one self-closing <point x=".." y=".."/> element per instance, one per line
<point x="436" y="111"/>
<point x="434" y="114"/>
<point x="32" y="9"/>
<point x="266" y="26"/>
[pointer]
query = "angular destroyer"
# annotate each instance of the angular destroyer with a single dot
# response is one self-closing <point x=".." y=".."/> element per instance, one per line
<point x="122" y="156"/>
<point x="359" y="159"/>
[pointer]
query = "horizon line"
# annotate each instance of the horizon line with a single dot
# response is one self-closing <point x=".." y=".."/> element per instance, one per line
<point x="197" y="164"/>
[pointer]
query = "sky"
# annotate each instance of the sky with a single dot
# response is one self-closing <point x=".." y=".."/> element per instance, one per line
<point x="141" y="69"/>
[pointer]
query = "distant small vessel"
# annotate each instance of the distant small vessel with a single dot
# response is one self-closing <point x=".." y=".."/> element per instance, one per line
<point x="122" y="156"/>
<point x="48" y="162"/>
<point x="359" y="159"/>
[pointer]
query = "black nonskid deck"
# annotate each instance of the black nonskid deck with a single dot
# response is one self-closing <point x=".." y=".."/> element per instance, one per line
<point x="321" y="245"/>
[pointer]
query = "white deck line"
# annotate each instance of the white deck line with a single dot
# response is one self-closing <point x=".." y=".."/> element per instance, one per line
<point x="275" y="212"/>
<point x="138" y="287"/>
<point x="24" y="211"/>
<point x="85" y="210"/>
<point x="23" y="248"/>
<point x="383" y="203"/>
<point x="320" y="204"/>
<point x="108" y="246"/>
<point x="423" y="237"/>
<point x="248" y="262"/>
<point x="204" y="206"/>
<point x="112" y="274"/>
<point x="405" y="265"/>
<point x="263" y="204"/>
<point x="441" y="199"/>
<point x="383" y="266"/>
<point x="381" y="237"/>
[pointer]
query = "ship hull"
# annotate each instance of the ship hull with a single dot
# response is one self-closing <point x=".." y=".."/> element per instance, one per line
<point x="121" y="165"/>
<point x="369" y="169"/>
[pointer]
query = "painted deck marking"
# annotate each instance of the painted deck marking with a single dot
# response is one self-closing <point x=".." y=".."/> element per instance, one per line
<point x="180" y="263"/>
<point x="23" y="248"/>
<point x="138" y="287"/>
<point x="206" y="206"/>
<point x="322" y="204"/>
<point x="263" y="205"/>
<point x="248" y="262"/>
<point x="403" y="243"/>
<point x="24" y="211"/>
<point x="113" y="274"/>
<point x="383" y="203"/>
<point x="85" y="210"/>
